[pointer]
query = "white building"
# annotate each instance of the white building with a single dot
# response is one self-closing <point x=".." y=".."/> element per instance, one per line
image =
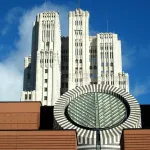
<point x="92" y="59"/>
<point x="68" y="62"/>
<point x="42" y="72"/>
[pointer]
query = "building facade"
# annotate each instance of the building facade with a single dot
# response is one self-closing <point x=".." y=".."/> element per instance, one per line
<point x="90" y="59"/>
<point x="42" y="70"/>
<point x="58" y="64"/>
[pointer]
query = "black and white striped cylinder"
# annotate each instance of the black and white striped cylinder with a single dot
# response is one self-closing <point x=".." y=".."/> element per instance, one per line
<point x="97" y="110"/>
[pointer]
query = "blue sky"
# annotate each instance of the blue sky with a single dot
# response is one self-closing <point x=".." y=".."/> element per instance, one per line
<point x="130" y="19"/>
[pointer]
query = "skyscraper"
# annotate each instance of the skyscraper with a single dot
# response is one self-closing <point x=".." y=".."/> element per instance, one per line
<point x="42" y="69"/>
<point x="58" y="64"/>
<point x="91" y="59"/>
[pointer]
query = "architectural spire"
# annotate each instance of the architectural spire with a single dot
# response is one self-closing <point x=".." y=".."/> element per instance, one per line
<point x="78" y="4"/>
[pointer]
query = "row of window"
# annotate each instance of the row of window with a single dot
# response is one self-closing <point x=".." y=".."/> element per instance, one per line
<point x="78" y="51"/>
<point x="106" y="55"/>
<point x="106" y="36"/>
<point x="45" y="15"/>
<point x="92" y="51"/>
<point x="79" y="68"/>
<point x="95" y="75"/>
<point x="46" y="61"/>
<point x="78" y="32"/>
<point x="107" y="64"/>
<point x="26" y="96"/>
<point x="78" y="22"/>
<point x="78" y="44"/>
<point x="103" y="82"/>
<point x="107" y="72"/>
<point x="48" y="25"/>
<point x="48" y="34"/>
<point x="80" y="80"/>
<point x="106" y="48"/>
<point x="80" y="61"/>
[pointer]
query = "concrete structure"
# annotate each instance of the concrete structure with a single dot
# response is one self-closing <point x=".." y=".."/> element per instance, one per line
<point x="42" y="72"/>
<point x="99" y="113"/>
<point x="135" y="139"/>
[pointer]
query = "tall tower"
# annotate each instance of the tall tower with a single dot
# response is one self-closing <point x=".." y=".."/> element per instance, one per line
<point x="42" y="72"/>
<point x="78" y="49"/>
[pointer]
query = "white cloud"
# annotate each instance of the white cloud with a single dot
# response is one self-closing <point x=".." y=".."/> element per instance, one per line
<point x="128" y="56"/>
<point x="11" y="17"/>
<point x="140" y="88"/>
<point x="11" y="69"/>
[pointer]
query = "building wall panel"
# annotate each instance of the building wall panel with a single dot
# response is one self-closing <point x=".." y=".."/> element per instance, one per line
<point x="31" y="140"/>
<point x="19" y="115"/>
<point x="136" y="139"/>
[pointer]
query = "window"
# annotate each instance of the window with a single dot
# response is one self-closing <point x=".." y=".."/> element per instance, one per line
<point x="95" y="75"/>
<point x="90" y="75"/>
<point x="66" y="75"/>
<point x="46" y="70"/>
<point x="45" y="89"/>
<point x="26" y="96"/>
<point x="66" y="84"/>
<point x="45" y="80"/>
<point x="112" y="72"/>
<point x="90" y="67"/>
<point x="47" y="43"/>
<point x="29" y="96"/>
<point x="80" y="60"/>
<point x="28" y="76"/>
<point x="45" y="97"/>
<point x="95" y="67"/>
<point x="111" y="64"/>
<point x="102" y="64"/>
<point x="107" y="64"/>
